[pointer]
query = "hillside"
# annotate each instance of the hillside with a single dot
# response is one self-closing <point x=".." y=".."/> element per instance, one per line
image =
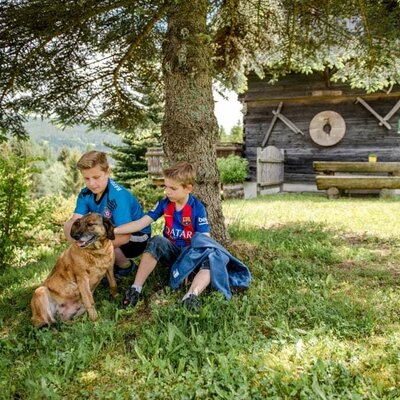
<point x="78" y="136"/>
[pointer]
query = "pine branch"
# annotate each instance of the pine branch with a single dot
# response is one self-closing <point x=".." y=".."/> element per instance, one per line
<point x="80" y="19"/>
<point x="156" y="17"/>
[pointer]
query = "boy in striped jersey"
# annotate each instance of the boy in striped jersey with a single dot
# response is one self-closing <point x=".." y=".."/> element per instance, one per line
<point x="184" y="215"/>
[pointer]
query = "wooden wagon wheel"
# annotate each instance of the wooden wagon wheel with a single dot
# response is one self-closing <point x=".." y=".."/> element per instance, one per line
<point x="327" y="128"/>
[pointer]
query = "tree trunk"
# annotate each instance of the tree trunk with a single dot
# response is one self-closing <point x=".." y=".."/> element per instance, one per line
<point x="190" y="129"/>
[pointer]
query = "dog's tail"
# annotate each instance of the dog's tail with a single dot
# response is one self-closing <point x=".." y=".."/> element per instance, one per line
<point x="42" y="307"/>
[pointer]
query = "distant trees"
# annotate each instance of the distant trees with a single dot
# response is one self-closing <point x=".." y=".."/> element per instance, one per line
<point x="131" y="163"/>
<point x="19" y="215"/>
<point x="235" y="134"/>
<point x="73" y="181"/>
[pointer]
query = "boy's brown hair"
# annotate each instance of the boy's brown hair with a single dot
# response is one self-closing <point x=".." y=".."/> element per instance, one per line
<point x="92" y="159"/>
<point x="181" y="172"/>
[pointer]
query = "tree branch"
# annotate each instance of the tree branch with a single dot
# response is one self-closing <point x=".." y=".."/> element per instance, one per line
<point x="156" y="17"/>
<point x="365" y="21"/>
<point x="81" y="19"/>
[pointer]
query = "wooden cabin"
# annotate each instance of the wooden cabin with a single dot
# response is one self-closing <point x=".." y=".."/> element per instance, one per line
<point x="309" y="119"/>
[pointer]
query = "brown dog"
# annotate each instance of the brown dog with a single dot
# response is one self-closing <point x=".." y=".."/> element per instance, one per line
<point x="68" y="290"/>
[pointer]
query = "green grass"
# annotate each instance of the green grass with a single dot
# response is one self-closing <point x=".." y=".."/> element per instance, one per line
<point x="320" y="321"/>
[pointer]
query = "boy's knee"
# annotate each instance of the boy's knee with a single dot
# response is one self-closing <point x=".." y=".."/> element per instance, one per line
<point x="157" y="246"/>
<point x="158" y="241"/>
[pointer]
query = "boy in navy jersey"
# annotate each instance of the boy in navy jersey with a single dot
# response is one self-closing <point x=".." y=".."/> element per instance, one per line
<point x="110" y="199"/>
<point x="184" y="215"/>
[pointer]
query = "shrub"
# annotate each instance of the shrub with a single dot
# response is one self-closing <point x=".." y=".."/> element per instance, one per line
<point x="18" y="214"/>
<point x="232" y="169"/>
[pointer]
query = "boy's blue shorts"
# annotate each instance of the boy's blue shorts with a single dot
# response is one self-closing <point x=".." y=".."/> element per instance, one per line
<point x="163" y="250"/>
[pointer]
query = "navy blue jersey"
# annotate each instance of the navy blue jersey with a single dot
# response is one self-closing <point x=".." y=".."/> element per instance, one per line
<point x="116" y="203"/>
<point x="181" y="225"/>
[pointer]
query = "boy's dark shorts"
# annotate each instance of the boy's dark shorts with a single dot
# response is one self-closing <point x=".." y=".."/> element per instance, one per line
<point x="163" y="250"/>
<point x="136" y="245"/>
<point x="166" y="252"/>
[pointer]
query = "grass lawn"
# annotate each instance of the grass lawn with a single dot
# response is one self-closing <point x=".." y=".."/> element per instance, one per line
<point x="320" y="321"/>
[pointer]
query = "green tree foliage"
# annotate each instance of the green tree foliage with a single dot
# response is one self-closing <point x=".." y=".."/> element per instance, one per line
<point x="131" y="163"/>
<point x="63" y="155"/>
<point x="18" y="214"/>
<point x="47" y="174"/>
<point x="72" y="180"/>
<point x="222" y="134"/>
<point x="235" y="135"/>
<point x="105" y="62"/>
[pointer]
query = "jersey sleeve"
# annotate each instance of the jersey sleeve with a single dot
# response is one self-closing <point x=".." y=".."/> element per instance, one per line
<point x="201" y="221"/>
<point x="157" y="211"/>
<point x="82" y="206"/>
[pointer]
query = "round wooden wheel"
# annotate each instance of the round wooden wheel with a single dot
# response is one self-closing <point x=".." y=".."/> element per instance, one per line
<point x="327" y="128"/>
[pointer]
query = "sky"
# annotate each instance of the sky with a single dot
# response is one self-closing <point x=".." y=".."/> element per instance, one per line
<point x="227" y="111"/>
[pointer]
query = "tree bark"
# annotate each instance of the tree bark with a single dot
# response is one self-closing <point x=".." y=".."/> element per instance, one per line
<point x="190" y="129"/>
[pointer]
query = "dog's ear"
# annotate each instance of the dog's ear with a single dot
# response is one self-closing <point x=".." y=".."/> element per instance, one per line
<point x="109" y="228"/>
<point x="74" y="227"/>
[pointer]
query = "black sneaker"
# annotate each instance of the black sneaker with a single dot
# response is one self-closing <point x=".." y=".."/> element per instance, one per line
<point x="132" y="296"/>
<point x="120" y="273"/>
<point x="192" y="302"/>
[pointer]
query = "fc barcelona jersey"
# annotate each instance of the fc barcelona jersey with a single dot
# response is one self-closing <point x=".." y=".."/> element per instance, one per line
<point x="181" y="225"/>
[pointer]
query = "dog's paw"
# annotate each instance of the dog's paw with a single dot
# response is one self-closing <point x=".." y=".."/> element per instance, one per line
<point x="92" y="314"/>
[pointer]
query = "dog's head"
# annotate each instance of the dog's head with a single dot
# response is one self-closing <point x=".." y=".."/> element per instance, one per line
<point x="91" y="228"/>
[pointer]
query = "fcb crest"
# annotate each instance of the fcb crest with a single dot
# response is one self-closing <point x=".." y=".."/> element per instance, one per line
<point x="186" y="221"/>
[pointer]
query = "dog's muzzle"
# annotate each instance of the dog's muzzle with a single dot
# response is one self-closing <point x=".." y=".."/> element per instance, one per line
<point x="85" y="240"/>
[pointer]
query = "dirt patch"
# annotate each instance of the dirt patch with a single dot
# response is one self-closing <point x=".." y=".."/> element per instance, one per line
<point x="348" y="265"/>
<point x="249" y="252"/>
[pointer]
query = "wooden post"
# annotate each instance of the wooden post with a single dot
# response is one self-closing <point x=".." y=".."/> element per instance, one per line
<point x="271" y="126"/>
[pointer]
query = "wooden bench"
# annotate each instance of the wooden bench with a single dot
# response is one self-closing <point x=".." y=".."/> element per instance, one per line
<point x="359" y="176"/>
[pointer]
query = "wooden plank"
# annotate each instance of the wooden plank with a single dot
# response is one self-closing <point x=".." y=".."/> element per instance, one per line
<point x="343" y="166"/>
<point x="374" y="113"/>
<point x="326" y="93"/>
<point x="288" y="123"/>
<point x="391" y="112"/>
<point x="360" y="182"/>
<point x="271" y="126"/>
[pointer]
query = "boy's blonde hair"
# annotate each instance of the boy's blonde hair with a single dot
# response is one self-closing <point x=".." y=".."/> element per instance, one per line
<point x="92" y="159"/>
<point x="181" y="172"/>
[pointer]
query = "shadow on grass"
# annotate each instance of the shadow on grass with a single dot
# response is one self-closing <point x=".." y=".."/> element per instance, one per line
<point x="303" y="279"/>
<point x="300" y="290"/>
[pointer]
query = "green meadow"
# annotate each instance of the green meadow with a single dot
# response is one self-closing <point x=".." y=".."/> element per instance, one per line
<point x="320" y="321"/>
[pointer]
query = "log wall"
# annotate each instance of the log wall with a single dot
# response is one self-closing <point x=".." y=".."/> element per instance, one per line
<point x="303" y="97"/>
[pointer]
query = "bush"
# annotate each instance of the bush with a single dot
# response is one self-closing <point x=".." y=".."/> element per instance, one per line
<point x="232" y="169"/>
<point x="19" y="214"/>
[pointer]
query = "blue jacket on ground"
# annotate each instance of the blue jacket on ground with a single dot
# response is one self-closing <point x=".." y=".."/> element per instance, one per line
<point x="226" y="270"/>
